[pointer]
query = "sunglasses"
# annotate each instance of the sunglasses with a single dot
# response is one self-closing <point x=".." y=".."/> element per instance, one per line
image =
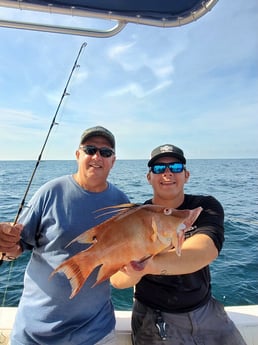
<point x="92" y="150"/>
<point x="159" y="168"/>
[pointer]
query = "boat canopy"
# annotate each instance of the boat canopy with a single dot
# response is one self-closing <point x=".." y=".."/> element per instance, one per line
<point x="160" y="13"/>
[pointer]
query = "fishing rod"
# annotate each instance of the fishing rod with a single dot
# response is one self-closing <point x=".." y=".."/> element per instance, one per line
<point x="53" y="123"/>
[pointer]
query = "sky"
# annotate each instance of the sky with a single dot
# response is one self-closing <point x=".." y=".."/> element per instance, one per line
<point x="194" y="86"/>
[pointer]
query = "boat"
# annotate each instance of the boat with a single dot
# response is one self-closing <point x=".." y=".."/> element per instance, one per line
<point x="244" y="317"/>
<point x="159" y="14"/>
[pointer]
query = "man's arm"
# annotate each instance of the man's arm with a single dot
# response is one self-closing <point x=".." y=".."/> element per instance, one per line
<point x="198" y="251"/>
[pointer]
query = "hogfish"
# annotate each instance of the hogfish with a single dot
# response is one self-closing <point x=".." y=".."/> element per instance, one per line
<point x="134" y="234"/>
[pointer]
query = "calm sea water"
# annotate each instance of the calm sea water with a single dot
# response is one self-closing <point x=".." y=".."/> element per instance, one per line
<point x="233" y="182"/>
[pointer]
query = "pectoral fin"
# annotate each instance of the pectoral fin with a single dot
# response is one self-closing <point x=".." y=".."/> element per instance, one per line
<point x="155" y="230"/>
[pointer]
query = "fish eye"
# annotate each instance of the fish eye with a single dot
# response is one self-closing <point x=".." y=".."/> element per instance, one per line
<point x="167" y="211"/>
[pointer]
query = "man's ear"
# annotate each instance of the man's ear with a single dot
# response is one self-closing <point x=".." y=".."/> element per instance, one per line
<point x="113" y="160"/>
<point x="148" y="177"/>
<point x="187" y="175"/>
<point x="77" y="154"/>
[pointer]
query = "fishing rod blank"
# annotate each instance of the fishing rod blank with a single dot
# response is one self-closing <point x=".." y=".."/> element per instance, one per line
<point x="45" y="142"/>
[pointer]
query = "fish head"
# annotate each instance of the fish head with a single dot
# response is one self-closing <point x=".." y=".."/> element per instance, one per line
<point x="171" y="230"/>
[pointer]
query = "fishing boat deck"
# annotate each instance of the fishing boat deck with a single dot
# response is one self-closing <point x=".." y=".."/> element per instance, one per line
<point x="245" y="318"/>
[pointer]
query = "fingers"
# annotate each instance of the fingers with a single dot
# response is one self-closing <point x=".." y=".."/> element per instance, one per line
<point x="131" y="269"/>
<point x="139" y="268"/>
<point x="11" y="230"/>
<point x="11" y="255"/>
<point x="7" y="230"/>
<point x="10" y="237"/>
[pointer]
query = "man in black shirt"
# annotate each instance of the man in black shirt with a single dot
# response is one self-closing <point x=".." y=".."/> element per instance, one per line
<point x="173" y="299"/>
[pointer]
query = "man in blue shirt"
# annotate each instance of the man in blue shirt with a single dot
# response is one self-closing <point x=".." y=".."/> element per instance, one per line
<point x="58" y="212"/>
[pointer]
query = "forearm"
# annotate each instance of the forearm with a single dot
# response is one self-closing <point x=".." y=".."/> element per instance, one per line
<point x="198" y="251"/>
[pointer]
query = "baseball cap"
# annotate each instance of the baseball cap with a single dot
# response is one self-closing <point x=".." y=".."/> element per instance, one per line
<point x="98" y="131"/>
<point x="167" y="150"/>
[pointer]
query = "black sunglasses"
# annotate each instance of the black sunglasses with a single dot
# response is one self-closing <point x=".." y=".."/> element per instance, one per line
<point x="91" y="150"/>
<point x="159" y="168"/>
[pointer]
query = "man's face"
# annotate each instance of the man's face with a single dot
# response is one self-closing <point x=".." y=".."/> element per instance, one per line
<point x="168" y="184"/>
<point x="94" y="169"/>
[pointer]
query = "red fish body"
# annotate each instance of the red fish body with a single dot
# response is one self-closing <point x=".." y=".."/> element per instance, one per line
<point x="133" y="234"/>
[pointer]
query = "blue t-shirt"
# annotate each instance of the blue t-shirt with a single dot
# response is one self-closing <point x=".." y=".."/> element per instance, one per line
<point x="58" y="212"/>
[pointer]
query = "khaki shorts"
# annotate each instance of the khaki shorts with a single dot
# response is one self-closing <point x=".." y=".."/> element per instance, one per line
<point x="207" y="325"/>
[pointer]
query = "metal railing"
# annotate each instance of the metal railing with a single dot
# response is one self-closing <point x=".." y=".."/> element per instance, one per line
<point x="121" y="20"/>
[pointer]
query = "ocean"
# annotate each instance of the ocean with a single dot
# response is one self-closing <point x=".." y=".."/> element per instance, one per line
<point x="233" y="182"/>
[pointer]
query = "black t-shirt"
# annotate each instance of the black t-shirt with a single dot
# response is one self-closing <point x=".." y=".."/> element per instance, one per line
<point x="186" y="292"/>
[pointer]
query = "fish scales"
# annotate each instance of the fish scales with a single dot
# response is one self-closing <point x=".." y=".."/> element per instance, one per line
<point x="136" y="232"/>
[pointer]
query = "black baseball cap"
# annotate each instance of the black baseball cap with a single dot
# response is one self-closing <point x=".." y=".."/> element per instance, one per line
<point x="166" y="150"/>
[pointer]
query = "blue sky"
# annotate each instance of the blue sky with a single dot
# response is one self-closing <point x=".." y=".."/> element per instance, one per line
<point x="194" y="86"/>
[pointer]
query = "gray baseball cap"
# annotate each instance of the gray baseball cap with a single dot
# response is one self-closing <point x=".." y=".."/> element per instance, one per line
<point x="98" y="131"/>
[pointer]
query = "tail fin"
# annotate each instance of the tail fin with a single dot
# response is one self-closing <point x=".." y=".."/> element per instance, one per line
<point x="77" y="269"/>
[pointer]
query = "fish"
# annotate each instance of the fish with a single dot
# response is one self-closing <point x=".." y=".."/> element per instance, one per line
<point x="134" y="234"/>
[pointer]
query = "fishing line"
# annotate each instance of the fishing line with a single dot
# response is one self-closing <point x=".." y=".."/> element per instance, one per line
<point x="53" y="123"/>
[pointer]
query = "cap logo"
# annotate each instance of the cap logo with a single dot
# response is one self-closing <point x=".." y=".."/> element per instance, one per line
<point x="166" y="148"/>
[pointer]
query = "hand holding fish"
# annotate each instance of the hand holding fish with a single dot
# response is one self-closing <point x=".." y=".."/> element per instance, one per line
<point x="9" y="240"/>
<point x="129" y="275"/>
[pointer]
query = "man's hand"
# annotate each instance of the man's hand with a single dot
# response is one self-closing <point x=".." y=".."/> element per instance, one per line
<point x="132" y="273"/>
<point x="9" y="240"/>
